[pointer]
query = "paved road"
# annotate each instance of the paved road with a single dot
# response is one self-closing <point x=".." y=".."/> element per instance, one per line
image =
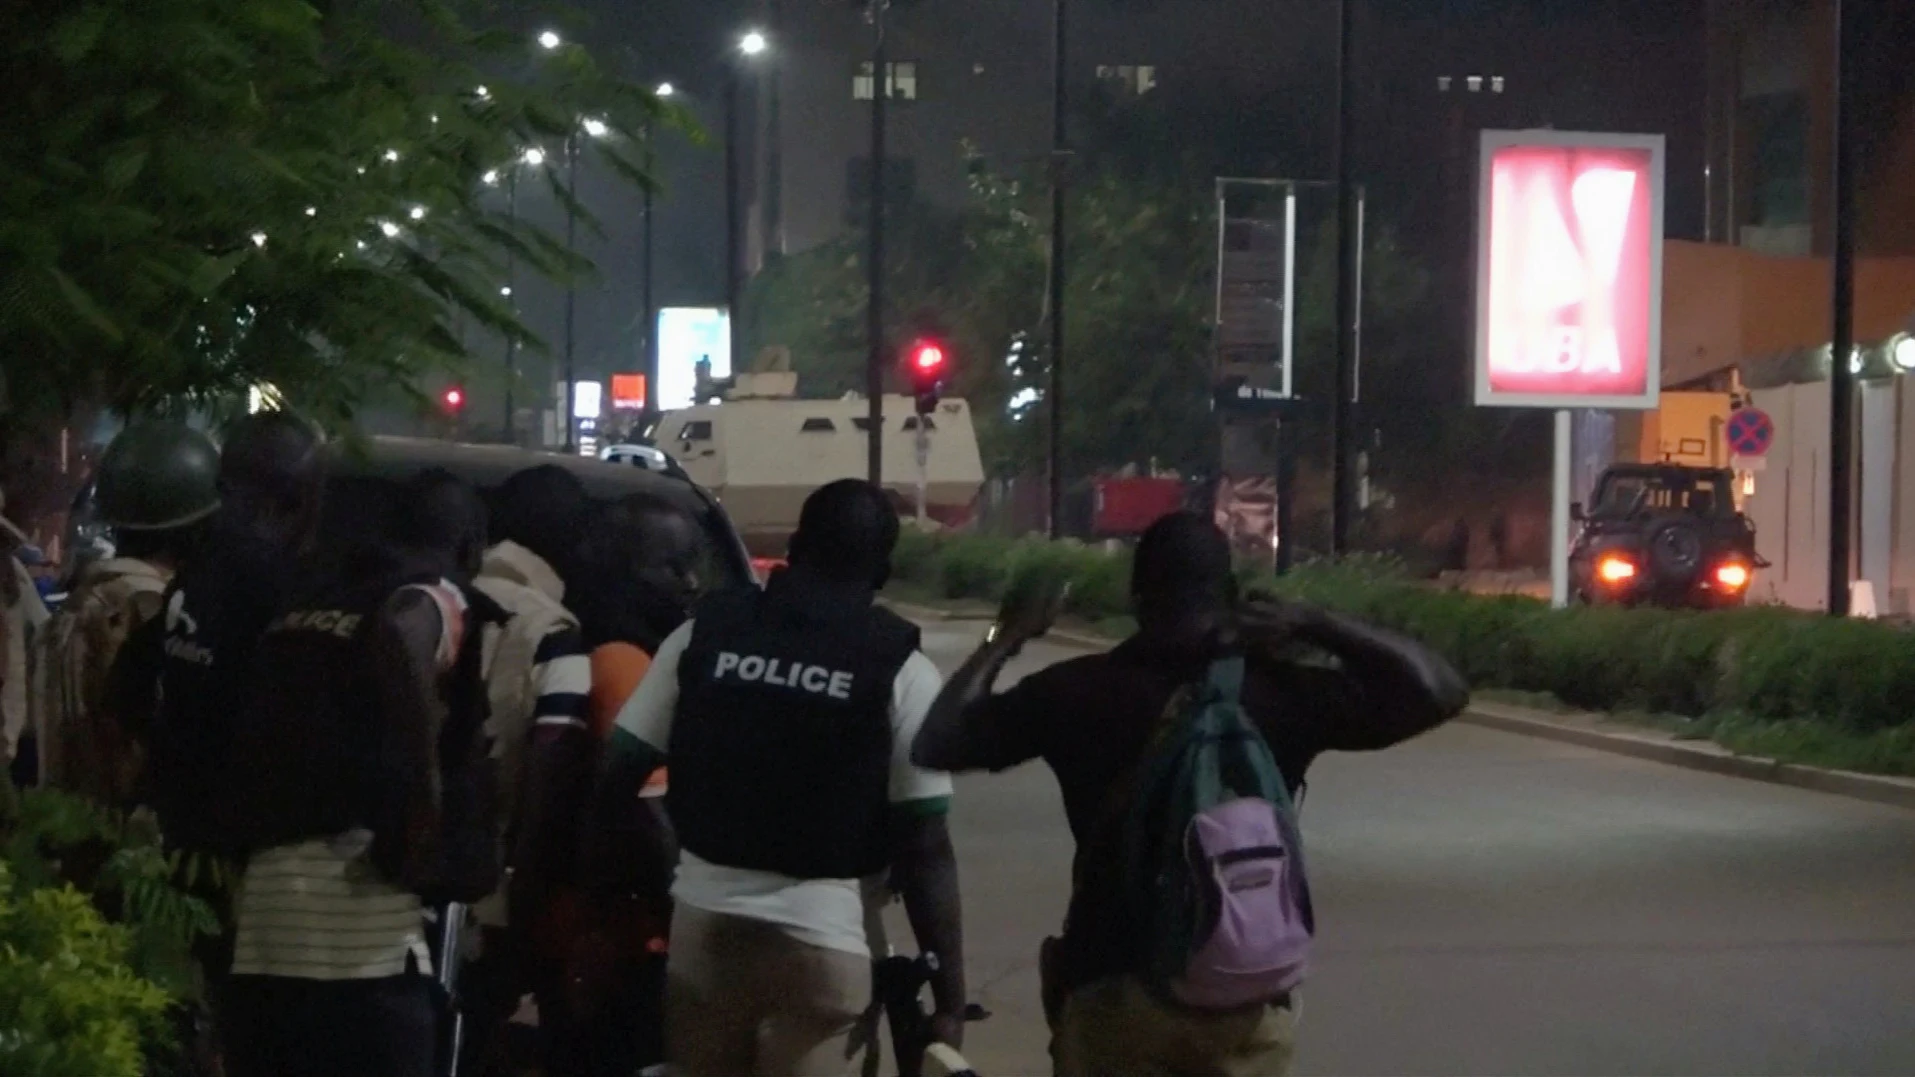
<point x="1496" y="904"/>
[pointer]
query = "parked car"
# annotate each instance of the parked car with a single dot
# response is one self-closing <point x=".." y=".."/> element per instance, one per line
<point x="1664" y="535"/>
<point x="365" y="476"/>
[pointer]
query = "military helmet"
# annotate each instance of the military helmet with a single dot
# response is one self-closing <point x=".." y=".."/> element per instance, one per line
<point x="157" y="476"/>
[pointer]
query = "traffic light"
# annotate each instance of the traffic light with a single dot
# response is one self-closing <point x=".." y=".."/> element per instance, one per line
<point x="927" y="366"/>
<point x="453" y="399"/>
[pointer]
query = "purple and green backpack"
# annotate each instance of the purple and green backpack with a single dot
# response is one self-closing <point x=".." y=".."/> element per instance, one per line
<point x="1213" y="855"/>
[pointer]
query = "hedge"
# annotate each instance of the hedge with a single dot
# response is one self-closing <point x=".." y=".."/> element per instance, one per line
<point x="1762" y="662"/>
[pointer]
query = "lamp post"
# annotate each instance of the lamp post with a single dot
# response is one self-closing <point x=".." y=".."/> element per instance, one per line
<point x="665" y="90"/>
<point x="1060" y="150"/>
<point x="751" y="44"/>
<point x="874" y="259"/>
<point x="532" y="157"/>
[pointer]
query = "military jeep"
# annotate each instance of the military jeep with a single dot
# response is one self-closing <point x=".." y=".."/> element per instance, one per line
<point x="1663" y="535"/>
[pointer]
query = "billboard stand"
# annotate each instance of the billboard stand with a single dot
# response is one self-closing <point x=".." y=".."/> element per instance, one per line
<point x="1559" y="521"/>
<point x="1568" y="287"/>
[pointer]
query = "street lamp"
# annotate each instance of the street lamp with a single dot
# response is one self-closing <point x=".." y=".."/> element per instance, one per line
<point x="549" y="40"/>
<point x="752" y="44"/>
<point x="530" y="157"/>
<point x="593" y="127"/>
<point x="646" y="297"/>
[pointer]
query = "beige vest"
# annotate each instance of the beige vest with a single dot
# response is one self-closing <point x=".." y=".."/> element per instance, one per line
<point x="526" y="587"/>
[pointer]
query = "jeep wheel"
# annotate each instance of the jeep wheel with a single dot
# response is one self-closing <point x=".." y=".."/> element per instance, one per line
<point x="1675" y="551"/>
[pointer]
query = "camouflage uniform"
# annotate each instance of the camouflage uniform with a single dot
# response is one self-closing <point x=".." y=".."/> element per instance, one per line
<point x="84" y="747"/>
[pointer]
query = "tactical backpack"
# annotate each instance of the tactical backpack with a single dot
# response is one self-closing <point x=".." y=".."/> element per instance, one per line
<point x="83" y="749"/>
<point x="1212" y="855"/>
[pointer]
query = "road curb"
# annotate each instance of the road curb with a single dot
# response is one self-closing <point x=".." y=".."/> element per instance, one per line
<point x="1692" y="755"/>
<point x="1061" y="636"/>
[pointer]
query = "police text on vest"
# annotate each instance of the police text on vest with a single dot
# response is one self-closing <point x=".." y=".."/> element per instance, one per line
<point x="753" y="669"/>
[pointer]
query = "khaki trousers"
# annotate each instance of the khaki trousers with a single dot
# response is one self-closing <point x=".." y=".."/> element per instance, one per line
<point x="1115" y="1026"/>
<point x="744" y="999"/>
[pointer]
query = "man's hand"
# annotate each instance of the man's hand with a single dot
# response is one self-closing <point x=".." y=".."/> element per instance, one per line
<point x="1268" y="623"/>
<point x="1029" y="610"/>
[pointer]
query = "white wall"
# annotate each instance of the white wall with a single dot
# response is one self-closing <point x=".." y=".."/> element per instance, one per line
<point x="1790" y="505"/>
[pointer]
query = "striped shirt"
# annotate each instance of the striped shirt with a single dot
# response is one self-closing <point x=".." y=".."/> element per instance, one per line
<point x="318" y="910"/>
<point x="562" y="677"/>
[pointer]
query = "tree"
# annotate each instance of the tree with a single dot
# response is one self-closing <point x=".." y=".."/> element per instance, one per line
<point x="199" y="196"/>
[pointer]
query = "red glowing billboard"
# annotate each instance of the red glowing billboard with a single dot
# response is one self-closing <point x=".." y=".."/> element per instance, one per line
<point x="1569" y="270"/>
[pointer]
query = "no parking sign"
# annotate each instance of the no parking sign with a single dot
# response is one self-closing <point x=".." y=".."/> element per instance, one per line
<point x="1750" y="433"/>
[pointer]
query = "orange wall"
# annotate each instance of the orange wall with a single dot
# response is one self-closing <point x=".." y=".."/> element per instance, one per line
<point x="1723" y="304"/>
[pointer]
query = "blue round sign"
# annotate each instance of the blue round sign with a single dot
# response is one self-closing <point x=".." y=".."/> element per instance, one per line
<point x="1750" y="432"/>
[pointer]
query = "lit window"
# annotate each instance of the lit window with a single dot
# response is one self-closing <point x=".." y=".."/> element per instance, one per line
<point x="903" y="81"/>
<point x="1443" y="83"/>
<point x="1476" y="84"/>
<point x="1496" y="84"/>
<point x="1132" y="79"/>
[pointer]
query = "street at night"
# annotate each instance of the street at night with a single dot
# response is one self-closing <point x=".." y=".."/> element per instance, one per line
<point x="1492" y="903"/>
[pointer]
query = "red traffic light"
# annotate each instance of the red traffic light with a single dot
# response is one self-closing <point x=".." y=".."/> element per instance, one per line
<point x="454" y="398"/>
<point x="927" y="357"/>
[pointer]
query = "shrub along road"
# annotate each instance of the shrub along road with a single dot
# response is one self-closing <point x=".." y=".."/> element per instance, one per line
<point x="1492" y="903"/>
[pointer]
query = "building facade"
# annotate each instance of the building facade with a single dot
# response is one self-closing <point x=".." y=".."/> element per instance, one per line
<point x="976" y="78"/>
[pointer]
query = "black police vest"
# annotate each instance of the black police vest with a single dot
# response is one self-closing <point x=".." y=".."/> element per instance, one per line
<point x="781" y="744"/>
<point x="323" y="756"/>
<point x="214" y="615"/>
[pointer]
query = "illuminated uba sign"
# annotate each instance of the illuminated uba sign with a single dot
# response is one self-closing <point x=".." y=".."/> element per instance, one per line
<point x="1569" y="270"/>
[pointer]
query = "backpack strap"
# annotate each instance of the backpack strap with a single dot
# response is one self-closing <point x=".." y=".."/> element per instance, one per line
<point x="1225" y="681"/>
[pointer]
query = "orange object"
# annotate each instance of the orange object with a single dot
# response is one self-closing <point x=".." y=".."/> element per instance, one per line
<point x="616" y="670"/>
<point x="628" y="391"/>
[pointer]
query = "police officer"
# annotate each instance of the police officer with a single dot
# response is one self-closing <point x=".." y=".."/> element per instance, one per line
<point x="157" y="487"/>
<point x="788" y="715"/>
<point x="363" y="797"/>
<point x="270" y="474"/>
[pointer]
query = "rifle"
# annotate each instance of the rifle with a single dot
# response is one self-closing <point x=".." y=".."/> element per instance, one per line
<point x="450" y="939"/>
<point x="899" y="983"/>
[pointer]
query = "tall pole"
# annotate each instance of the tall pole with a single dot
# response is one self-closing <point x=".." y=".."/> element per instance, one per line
<point x="1841" y="378"/>
<point x="1342" y="476"/>
<point x="511" y="425"/>
<point x="772" y="84"/>
<point x="646" y="296"/>
<point x="1060" y="149"/>
<point x="734" y="231"/>
<point x="571" y="292"/>
<point x="874" y="260"/>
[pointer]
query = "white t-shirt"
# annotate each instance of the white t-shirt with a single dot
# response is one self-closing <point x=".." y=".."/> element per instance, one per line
<point x="822" y="912"/>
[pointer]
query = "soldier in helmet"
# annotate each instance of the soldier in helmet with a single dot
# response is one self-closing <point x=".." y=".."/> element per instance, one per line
<point x="158" y="485"/>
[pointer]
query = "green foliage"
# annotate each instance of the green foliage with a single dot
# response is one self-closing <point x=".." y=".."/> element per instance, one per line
<point x="1759" y="665"/>
<point x="96" y="938"/>
<point x="201" y="195"/>
<point x="70" y="1002"/>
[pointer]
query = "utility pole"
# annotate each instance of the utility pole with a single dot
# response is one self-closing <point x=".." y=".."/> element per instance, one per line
<point x="1060" y="150"/>
<point x="646" y="296"/>
<point x="1841" y="377"/>
<point x="511" y="425"/>
<point x="874" y="259"/>
<point x="571" y="292"/>
<point x="1341" y="484"/>
<point x="734" y="231"/>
